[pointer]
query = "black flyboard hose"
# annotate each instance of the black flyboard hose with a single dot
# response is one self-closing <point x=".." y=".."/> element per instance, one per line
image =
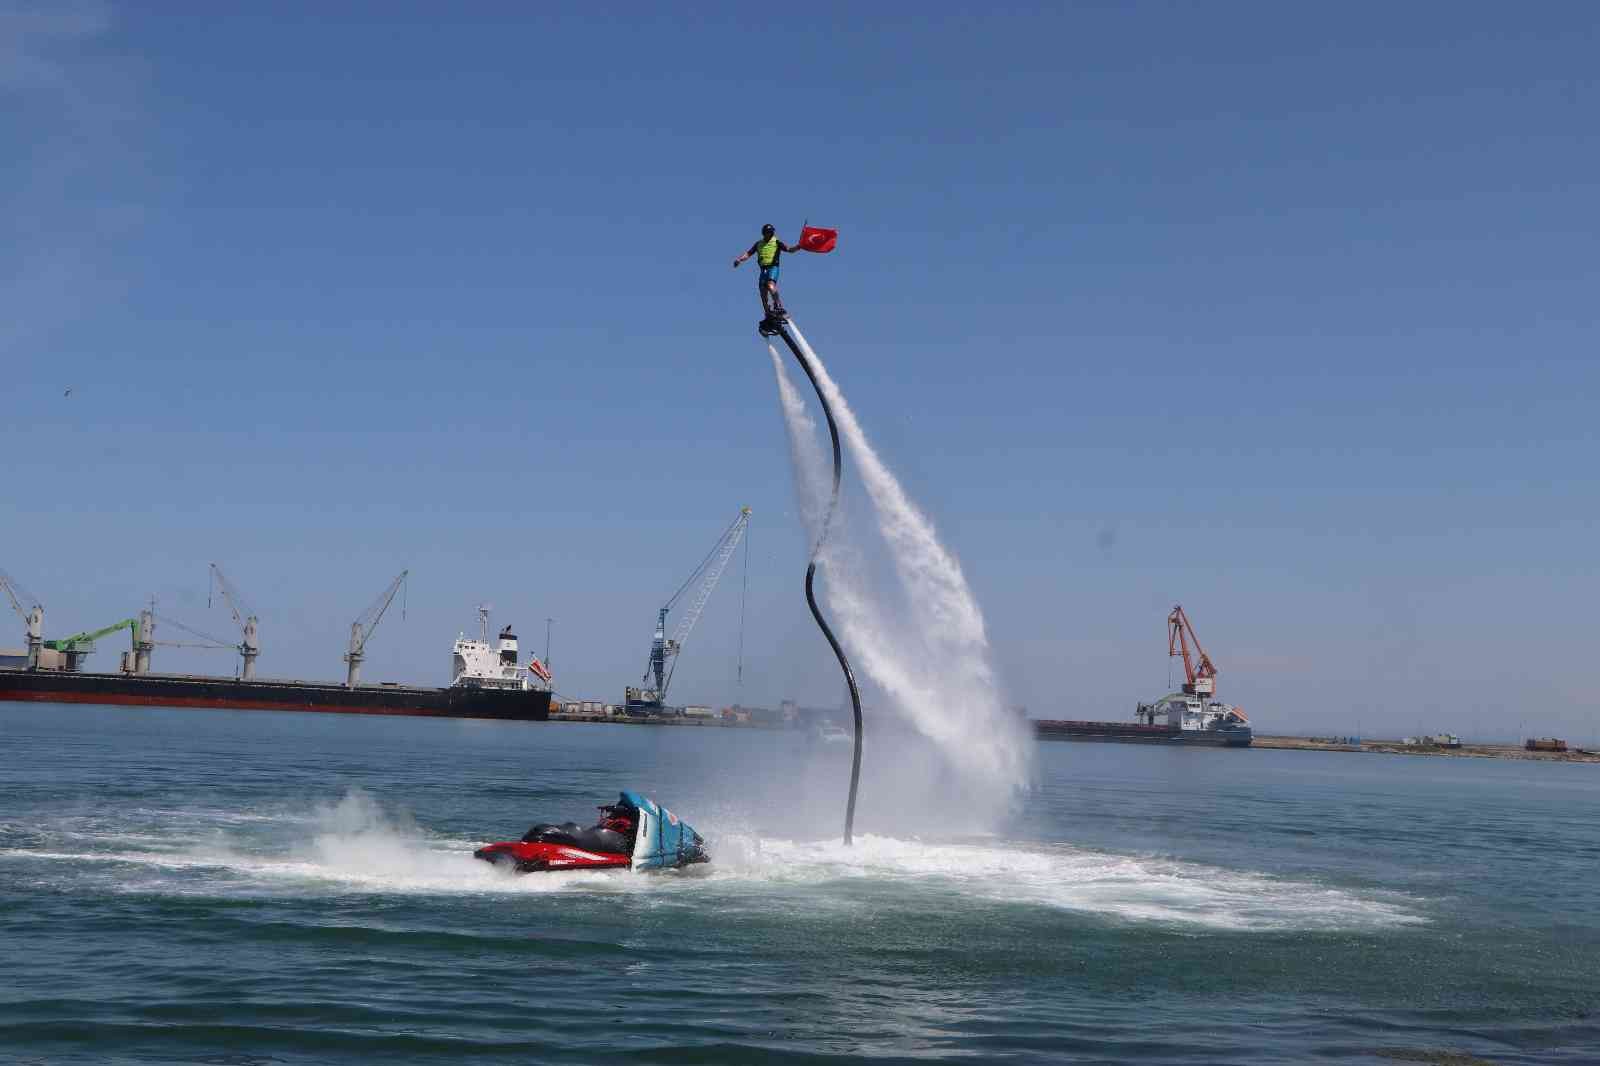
<point x="811" y="574"/>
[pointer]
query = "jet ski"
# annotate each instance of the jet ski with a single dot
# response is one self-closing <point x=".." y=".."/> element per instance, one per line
<point x="635" y="833"/>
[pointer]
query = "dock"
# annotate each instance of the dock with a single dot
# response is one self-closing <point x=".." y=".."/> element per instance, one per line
<point x="1399" y="747"/>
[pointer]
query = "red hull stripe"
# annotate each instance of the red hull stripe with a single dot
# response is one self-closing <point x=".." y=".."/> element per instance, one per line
<point x="134" y="700"/>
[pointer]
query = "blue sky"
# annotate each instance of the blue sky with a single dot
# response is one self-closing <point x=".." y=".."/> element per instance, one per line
<point x="1284" y="313"/>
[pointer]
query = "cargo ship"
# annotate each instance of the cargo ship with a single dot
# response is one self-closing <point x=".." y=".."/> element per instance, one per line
<point x="1192" y="716"/>
<point x="486" y="682"/>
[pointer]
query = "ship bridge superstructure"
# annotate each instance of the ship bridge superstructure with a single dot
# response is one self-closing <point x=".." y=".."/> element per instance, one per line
<point x="482" y="664"/>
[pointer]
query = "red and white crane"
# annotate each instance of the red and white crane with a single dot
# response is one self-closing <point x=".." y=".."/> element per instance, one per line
<point x="1200" y="676"/>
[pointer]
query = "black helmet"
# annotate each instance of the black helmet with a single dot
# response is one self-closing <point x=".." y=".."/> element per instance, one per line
<point x="768" y="230"/>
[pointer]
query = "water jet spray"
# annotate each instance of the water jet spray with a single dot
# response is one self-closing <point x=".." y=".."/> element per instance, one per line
<point x="803" y="355"/>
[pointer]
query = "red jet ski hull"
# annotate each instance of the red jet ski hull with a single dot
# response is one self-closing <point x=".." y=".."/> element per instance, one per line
<point x="527" y="857"/>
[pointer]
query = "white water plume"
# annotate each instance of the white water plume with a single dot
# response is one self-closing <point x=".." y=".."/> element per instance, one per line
<point x="811" y="472"/>
<point x="931" y="659"/>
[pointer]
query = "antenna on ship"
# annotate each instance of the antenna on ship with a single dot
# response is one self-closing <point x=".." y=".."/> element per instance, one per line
<point x="483" y="621"/>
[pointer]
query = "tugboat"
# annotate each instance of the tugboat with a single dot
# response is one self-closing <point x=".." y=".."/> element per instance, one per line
<point x="1192" y="715"/>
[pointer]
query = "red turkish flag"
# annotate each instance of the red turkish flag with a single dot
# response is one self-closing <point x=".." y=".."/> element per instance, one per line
<point x="817" y="239"/>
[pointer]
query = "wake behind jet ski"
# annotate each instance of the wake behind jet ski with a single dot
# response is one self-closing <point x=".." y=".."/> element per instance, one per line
<point x="633" y="833"/>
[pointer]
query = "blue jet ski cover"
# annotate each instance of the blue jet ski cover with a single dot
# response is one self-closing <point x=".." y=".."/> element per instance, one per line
<point x="664" y="840"/>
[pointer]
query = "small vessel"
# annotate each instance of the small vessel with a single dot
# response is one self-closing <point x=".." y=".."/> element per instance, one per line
<point x="634" y="833"/>
<point x="1192" y="715"/>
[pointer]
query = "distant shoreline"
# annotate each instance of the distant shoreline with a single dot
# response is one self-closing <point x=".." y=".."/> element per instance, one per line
<point x="1280" y="743"/>
<point x="1395" y="747"/>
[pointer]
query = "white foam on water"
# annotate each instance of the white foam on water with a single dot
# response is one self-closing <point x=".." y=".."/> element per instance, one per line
<point x="1129" y="888"/>
<point x="1132" y="888"/>
<point x="351" y="845"/>
<point x="355" y="845"/>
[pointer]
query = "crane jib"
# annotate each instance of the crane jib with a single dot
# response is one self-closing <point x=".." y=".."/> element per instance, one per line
<point x="709" y="572"/>
<point x="361" y="629"/>
<point x="68" y="643"/>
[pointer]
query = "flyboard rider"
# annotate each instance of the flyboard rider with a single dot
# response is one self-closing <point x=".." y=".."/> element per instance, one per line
<point x="767" y="251"/>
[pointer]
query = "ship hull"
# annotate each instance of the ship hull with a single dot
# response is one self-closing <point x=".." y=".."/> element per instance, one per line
<point x="1133" y="733"/>
<point x="531" y="705"/>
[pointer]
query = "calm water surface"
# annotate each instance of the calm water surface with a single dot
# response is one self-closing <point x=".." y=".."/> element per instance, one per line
<point x="238" y="887"/>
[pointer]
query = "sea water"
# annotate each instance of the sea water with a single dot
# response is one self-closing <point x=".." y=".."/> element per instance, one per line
<point x="257" y="887"/>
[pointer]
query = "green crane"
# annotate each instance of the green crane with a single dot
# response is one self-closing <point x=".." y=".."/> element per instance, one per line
<point x="79" y="645"/>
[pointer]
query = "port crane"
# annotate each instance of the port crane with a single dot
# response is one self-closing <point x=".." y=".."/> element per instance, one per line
<point x="663" y="659"/>
<point x="32" y="615"/>
<point x="244" y="616"/>
<point x="1200" y="677"/>
<point x="361" y="629"/>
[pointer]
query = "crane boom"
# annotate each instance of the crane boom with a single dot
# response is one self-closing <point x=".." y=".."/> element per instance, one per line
<point x="230" y="596"/>
<point x="686" y="624"/>
<point x="244" y="616"/>
<point x="662" y="649"/>
<point x="32" y="615"/>
<point x="1200" y="676"/>
<point x="78" y="640"/>
<point x="361" y="629"/>
<point x="78" y="646"/>
<point x="18" y="596"/>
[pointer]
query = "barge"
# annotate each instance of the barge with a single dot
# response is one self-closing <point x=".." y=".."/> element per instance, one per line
<point x="1193" y="715"/>
<point x="1178" y="718"/>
